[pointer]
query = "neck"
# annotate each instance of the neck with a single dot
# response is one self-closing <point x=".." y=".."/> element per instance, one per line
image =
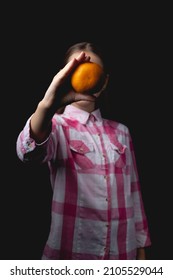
<point x="85" y="106"/>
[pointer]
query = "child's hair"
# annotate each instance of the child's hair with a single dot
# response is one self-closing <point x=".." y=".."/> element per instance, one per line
<point x="85" y="46"/>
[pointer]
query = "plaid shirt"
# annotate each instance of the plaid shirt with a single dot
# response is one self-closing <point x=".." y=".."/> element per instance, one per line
<point x="97" y="208"/>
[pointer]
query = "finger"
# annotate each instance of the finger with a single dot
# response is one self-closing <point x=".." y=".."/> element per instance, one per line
<point x="70" y="66"/>
<point x="82" y="57"/>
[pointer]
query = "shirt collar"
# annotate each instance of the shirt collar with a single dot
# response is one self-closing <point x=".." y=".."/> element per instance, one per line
<point x="80" y="115"/>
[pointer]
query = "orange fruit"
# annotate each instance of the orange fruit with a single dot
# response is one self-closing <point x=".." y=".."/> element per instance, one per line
<point x="87" y="77"/>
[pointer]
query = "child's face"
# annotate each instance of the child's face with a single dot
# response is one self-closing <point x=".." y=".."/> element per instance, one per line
<point x="88" y="105"/>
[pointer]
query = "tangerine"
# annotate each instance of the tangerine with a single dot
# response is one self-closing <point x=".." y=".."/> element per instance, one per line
<point x="87" y="77"/>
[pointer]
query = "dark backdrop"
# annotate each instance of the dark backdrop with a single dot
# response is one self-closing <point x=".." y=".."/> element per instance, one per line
<point x="136" y="43"/>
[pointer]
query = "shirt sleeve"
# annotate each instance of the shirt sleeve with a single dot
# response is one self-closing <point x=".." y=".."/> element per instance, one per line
<point x="141" y="223"/>
<point x="28" y="150"/>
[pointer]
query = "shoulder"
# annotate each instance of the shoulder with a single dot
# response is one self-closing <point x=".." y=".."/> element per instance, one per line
<point x="119" y="127"/>
<point x="58" y="119"/>
<point x="119" y="131"/>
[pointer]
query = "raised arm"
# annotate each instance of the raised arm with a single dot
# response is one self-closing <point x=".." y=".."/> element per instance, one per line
<point x="58" y="94"/>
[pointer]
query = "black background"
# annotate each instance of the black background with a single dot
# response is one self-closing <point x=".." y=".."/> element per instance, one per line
<point x="136" y="41"/>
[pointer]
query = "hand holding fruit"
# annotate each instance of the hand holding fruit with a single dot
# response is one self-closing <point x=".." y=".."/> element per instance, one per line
<point x="60" y="92"/>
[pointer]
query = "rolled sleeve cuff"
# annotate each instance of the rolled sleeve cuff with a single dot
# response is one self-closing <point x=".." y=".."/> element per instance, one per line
<point x="29" y="144"/>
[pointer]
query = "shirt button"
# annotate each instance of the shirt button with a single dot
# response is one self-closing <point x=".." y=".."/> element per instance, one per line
<point x="121" y="150"/>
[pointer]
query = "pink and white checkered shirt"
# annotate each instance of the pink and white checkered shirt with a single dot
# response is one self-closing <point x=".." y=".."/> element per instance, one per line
<point x="97" y="208"/>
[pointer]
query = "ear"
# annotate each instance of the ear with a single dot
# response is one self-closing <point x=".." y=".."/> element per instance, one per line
<point x="106" y="82"/>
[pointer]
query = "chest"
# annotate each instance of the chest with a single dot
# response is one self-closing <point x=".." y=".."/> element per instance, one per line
<point x="93" y="145"/>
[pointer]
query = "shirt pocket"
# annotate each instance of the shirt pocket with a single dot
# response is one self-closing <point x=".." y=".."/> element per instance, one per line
<point x="119" y="155"/>
<point x="83" y="154"/>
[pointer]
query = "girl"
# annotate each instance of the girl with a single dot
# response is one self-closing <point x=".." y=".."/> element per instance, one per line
<point x="97" y="207"/>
